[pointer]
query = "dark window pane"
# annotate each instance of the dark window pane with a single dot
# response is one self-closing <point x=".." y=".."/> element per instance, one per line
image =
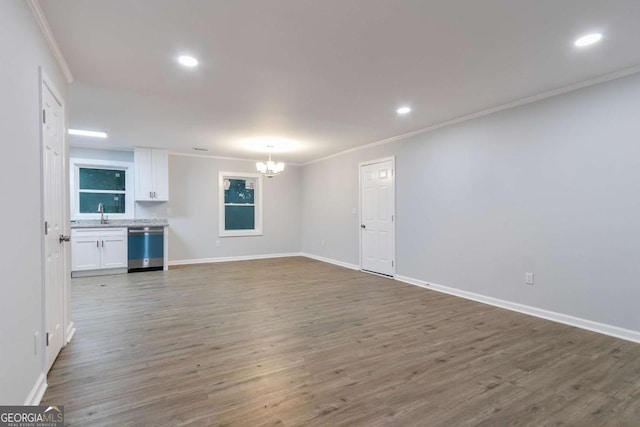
<point x="113" y="202"/>
<point x="102" y="179"/>
<point x="238" y="192"/>
<point x="239" y="218"/>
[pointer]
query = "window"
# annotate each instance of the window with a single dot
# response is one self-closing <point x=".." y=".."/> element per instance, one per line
<point x="94" y="182"/>
<point x="106" y="186"/>
<point x="240" y="204"/>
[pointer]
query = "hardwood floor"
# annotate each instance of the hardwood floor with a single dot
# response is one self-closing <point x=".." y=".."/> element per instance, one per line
<point x="294" y="342"/>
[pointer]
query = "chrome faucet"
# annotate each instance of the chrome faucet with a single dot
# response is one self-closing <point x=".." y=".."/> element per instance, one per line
<point x="101" y="212"/>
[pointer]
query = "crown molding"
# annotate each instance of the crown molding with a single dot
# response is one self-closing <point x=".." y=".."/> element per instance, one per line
<point x="90" y="146"/>
<point x="212" y="156"/>
<point x="544" y="95"/>
<point x="37" y="12"/>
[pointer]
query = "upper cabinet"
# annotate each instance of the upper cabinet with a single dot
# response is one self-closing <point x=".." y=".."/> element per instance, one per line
<point x="152" y="175"/>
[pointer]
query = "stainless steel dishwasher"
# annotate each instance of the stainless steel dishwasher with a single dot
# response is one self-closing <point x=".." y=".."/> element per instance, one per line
<point x="146" y="248"/>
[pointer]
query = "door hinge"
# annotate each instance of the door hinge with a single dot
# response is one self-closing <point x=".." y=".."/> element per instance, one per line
<point x="44" y="116"/>
<point x="47" y="339"/>
<point x="46" y="228"/>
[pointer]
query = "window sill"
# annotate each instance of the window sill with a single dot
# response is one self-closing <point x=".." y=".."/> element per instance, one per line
<point x="240" y="233"/>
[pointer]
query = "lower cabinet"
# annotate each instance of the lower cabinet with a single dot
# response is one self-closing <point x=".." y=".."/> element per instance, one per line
<point x="98" y="249"/>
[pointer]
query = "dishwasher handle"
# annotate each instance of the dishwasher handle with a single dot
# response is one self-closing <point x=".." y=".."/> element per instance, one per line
<point x="146" y="230"/>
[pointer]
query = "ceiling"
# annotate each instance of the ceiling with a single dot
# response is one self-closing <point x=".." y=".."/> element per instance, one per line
<point x="324" y="76"/>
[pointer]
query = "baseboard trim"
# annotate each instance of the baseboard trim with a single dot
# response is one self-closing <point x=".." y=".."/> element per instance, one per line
<point x="590" y="325"/>
<point x="102" y="272"/>
<point x="331" y="261"/>
<point x="71" y="330"/>
<point x="37" y="392"/>
<point x="231" y="258"/>
<point x="411" y="281"/>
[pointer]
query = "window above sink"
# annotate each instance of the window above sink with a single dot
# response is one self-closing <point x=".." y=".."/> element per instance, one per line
<point x="99" y="181"/>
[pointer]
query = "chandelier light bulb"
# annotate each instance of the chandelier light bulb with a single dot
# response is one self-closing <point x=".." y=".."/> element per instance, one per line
<point x="270" y="168"/>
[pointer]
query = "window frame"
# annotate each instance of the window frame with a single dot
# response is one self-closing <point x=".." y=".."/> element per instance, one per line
<point x="74" y="184"/>
<point x="257" y="197"/>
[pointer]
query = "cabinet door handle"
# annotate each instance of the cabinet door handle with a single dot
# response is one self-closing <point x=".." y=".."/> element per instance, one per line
<point x="151" y="194"/>
<point x="103" y="243"/>
<point x="154" y="195"/>
<point x="97" y="244"/>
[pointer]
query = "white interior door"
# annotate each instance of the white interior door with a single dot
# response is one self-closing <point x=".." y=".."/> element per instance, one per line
<point x="377" y="210"/>
<point x="53" y="179"/>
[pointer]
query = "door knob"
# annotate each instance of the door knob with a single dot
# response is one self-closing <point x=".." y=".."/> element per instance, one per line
<point x="64" y="238"/>
<point x="363" y="226"/>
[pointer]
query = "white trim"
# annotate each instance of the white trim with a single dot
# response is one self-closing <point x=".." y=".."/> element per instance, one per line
<point x="411" y="281"/>
<point x="590" y="325"/>
<point x="211" y="156"/>
<point x="100" y="272"/>
<point x="76" y="163"/>
<point x="257" y="230"/>
<point x="37" y="391"/>
<point x="544" y="95"/>
<point x="381" y="160"/>
<point x="232" y="258"/>
<point x="393" y="213"/>
<point x="70" y="332"/>
<point x="330" y="261"/>
<point x="94" y="146"/>
<point x="41" y="20"/>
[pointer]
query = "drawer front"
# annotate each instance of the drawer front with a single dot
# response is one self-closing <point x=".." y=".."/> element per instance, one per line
<point x="95" y="232"/>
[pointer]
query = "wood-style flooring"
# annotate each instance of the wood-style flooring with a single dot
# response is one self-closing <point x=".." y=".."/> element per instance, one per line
<point x="297" y="342"/>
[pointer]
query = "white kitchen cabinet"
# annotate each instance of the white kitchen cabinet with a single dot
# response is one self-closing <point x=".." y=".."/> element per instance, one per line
<point x="152" y="175"/>
<point x="114" y="251"/>
<point x="85" y="253"/>
<point x="98" y="249"/>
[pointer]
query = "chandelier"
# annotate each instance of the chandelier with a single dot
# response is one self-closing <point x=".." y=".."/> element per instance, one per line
<point x="270" y="168"/>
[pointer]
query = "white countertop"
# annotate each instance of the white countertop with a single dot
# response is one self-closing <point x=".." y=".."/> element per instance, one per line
<point x="112" y="223"/>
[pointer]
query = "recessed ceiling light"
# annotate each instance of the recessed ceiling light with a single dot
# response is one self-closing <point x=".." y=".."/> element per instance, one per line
<point x="587" y="40"/>
<point x="91" y="133"/>
<point x="403" y="110"/>
<point x="188" y="61"/>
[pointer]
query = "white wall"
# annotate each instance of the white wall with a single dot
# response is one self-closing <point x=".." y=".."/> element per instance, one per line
<point x="100" y="154"/>
<point x="551" y="188"/>
<point x="23" y="50"/>
<point x="193" y="211"/>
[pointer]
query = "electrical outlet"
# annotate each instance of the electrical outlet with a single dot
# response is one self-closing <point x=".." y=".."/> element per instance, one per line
<point x="322" y="243"/>
<point x="528" y="278"/>
<point x="353" y="211"/>
<point x="218" y="243"/>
